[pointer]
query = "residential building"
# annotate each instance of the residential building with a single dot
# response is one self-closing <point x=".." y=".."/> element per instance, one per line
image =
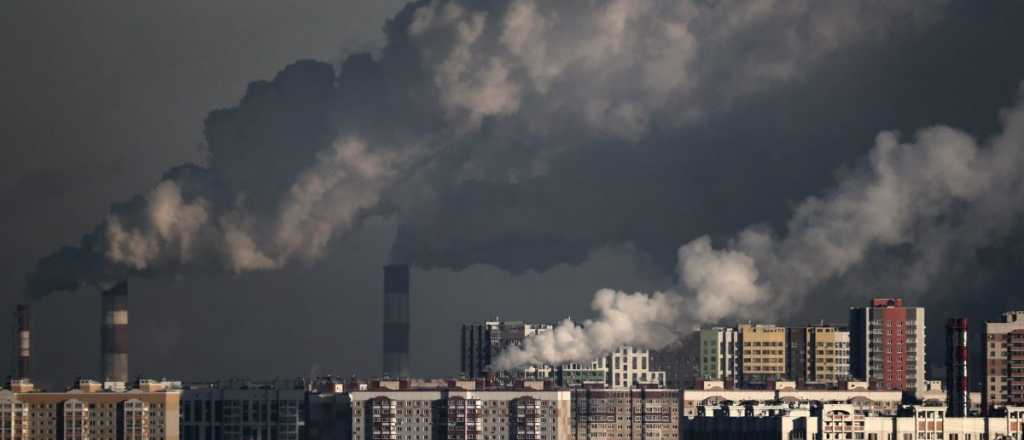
<point x="624" y="414"/>
<point x="91" y="411"/>
<point x="817" y="355"/>
<point x="957" y="381"/>
<point x="1004" y="361"/>
<point x="844" y="421"/>
<point x="713" y="397"/>
<point x="483" y="342"/>
<point x="887" y="344"/>
<point x="244" y="410"/>
<point x="763" y="356"/>
<point x="457" y="410"/>
<point x="719" y="350"/>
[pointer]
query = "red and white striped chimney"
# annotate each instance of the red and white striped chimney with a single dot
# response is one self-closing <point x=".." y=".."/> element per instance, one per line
<point x="23" y="338"/>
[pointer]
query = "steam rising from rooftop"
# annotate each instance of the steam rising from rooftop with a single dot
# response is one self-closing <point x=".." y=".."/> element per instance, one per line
<point x="941" y="195"/>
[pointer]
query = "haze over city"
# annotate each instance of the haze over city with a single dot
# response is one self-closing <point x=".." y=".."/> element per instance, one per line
<point x="250" y="167"/>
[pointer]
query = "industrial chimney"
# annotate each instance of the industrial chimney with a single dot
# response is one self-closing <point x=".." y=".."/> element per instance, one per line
<point x="114" y="334"/>
<point x="396" y="321"/>
<point x="22" y="338"/>
<point x="956" y="367"/>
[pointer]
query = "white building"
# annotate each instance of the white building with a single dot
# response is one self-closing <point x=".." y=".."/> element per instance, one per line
<point x="718" y="351"/>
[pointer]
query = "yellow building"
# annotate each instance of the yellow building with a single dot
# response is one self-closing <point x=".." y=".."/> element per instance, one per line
<point x="764" y="353"/>
<point x="90" y="412"/>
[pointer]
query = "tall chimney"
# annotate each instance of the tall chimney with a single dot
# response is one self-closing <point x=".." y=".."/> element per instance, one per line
<point x="23" y="338"/>
<point x="956" y="367"/>
<point x="114" y="334"/>
<point x="396" y="321"/>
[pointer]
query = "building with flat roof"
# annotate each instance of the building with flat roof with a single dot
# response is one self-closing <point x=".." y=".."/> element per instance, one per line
<point x="91" y="411"/>
<point x="887" y="344"/>
<point x="1004" y="361"/>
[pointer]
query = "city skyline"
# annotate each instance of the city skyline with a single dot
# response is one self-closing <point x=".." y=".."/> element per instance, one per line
<point x="559" y="157"/>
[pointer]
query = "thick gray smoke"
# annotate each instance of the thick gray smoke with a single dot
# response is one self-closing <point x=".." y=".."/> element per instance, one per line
<point x="941" y="195"/>
<point x="463" y="91"/>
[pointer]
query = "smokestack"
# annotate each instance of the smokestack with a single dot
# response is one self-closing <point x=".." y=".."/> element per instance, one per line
<point x="22" y="345"/>
<point x="956" y="367"/>
<point x="396" y="321"/>
<point x="114" y="334"/>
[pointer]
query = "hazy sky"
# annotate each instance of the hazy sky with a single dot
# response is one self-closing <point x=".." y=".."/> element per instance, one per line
<point x="562" y="171"/>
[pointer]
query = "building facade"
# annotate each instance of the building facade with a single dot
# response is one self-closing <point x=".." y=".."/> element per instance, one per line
<point x="91" y="412"/>
<point x="483" y="342"/>
<point x="244" y="411"/>
<point x="719" y="347"/>
<point x="887" y="344"/>
<point x="1004" y="361"/>
<point x="763" y="356"/>
<point x="617" y="414"/>
<point x="456" y="410"/>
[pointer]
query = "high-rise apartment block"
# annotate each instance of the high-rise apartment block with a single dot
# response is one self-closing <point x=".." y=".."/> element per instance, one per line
<point x="719" y="347"/>
<point x="763" y="355"/>
<point x="150" y="410"/>
<point x="395" y="325"/>
<point x="1004" y="361"/>
<point x="817" y="354"/>
<point x="957" y="382"/>
<point x="483" y="342"/>
<point x="887" y="345"/>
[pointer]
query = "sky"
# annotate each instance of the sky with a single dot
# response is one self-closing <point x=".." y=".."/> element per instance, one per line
<point x="519" y="155"/>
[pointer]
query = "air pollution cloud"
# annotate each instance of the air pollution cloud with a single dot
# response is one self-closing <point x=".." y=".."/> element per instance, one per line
<point x="940" y="196"/>
<point x="461" y="92"/>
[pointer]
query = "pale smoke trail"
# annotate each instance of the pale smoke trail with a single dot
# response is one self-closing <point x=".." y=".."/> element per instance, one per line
<point x="942" y="195"/>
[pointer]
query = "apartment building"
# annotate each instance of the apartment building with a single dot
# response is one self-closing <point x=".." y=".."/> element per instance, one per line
<point x="624" y="414"/>
<point x="844" y="421"/>
<point x="483" y="342"/>
<point x="457" y="410"/>
<point x="244" y="410"/>
<point x="1004" y="361"/>
<point x="763" y="356"/>
<point x="719" y="347"/>
<point x="818" y="355"/>
<point x="713" y="398"/>
<point x="91" y="411"/>
<point x="887" y="344"/>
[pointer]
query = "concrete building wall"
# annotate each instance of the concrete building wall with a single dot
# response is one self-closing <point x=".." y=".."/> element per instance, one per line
<point x="763" y="356"/>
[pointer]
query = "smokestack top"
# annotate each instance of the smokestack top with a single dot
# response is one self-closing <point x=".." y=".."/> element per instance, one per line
<point x="119" y="289"/>
<point x="22" y="316"/>
<point x="23" y="307"/>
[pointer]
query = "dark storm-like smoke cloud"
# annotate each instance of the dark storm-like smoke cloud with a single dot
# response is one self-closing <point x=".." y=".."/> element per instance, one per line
<point x="463" y="94"/>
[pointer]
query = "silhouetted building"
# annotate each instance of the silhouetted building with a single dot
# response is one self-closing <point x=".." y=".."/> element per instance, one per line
<point x="958" y="394"/>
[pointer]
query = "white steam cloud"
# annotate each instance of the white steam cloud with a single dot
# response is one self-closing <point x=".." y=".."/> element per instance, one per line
<point x="325" y="199"/>
<point x="942" y="195"/>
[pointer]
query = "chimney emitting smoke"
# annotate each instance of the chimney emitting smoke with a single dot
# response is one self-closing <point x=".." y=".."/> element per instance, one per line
<point x="114" y="334"/>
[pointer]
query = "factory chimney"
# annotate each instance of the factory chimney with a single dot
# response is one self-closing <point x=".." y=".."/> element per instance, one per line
<point x="396" y="321"/>
<point x="114" y="334"/>
<point x="956" y="367"/>
<point x="22" y="338"/>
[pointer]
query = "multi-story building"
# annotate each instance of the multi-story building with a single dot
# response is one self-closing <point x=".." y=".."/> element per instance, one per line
<point x="457" y="410"/>
<point x="91" y="411"/>
<point x="709" y="399"/>
<point x="887" y="345"/>
<point x="719" y="347"/>
<point x="616" y="414"/>
<point x="1004" y="361"/>
<point x="244" y="411"/>
<point x="846" y="421"/>
<point x="817" y="355"/>
<point x="763" y="355"/>
<point x="483" y="342"/>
